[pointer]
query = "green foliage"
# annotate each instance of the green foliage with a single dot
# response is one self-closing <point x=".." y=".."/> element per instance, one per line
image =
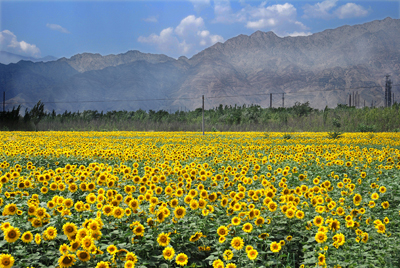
<point x="287" y="136"/>
<point x="335" y="135"/>
<point x="37" y="113"/>
<point x="336" y="121"/>
<point x="300" y="117"/>
<point x="365" y="128"/>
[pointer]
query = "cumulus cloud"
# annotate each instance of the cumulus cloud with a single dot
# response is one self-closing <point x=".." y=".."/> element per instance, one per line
<point x="151" y="19"/>
<point x="323" y="10"/>
<point x="190" y="35"/>
<point x="57" y="27"/>
<point x="10" y="43"/>
<point x="278" y="18"/>
<point x="189" y="25"/>
<point x="350" y="10"/>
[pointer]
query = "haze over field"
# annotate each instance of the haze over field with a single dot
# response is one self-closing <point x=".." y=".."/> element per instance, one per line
<point x="306" y="50"/>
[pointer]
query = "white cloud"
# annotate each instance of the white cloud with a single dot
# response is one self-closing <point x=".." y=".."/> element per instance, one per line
<point x="190" y="35"/>
<point x="322" y="10"/>
<point x="200" y="4"/>
<point x="319" y="10"/>
<point x="224" y="14"/>
<point x="57" y="27"/>
<point x="278" y="17"/>
<point x="151" y="19"/>
<point x="294" y="34"/>
<point x="9" y="43"/>
<point x="350" y="10"/>
<point x="189" y="25"/>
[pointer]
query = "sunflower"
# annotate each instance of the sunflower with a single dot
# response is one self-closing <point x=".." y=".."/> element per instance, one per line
<point x="139" y="230"/>
<point x="385" y="205"/>
<point x="179" y="213"/>
<point x="318" y="220"/>
<point x="87" y="242"/>
<point x="74" y="245"/>
<point x="5" y="225"/>
<point x="83" y="255"/>
<point x="118" y="212"/>
<point x="236" y="221"/>
<point x="112" y="249"/>
<point x="11" y="234"/>
<point x="334" y="225"/>
<point x="107" y="210"/>
<point x="321" y="260"/>
<point x="299" y="214"/>
<point x="230" y="265"/>
<point x="247" y="227"/>
<point x="237" y="243"/>
<point x="6" y="261"/>
<point x="63" y="249"/>
<point x="381" y="228"/>
<point x="37" y="239"/>
<point x="320" y="237"/>
<point x="102" y="264"/>
<point x="10" y="209"/>
<point x="168" y="253"/>
<point x="222" y="231"/>
<point x="357" y="199"/>
<point x="130" y="256"/>
<point x="50" y="233"/>
<point x="93" y="226"/>
<point x="228" y="254"/>
<point x="252" y="254"/>
<point x="196" y="237"/>
<point x="70" y="229"/>
<point x="129" y="264"/>
<point x="163" y="239"/>
<point x="27" y="237"/>
<point x="66" y="260"/>
<point x="218" y="264"/>
<point x="272" y="206"/>
<point x="259" y="221"/>
<point x="181" y="259"/>
<point x="275" y="247"/>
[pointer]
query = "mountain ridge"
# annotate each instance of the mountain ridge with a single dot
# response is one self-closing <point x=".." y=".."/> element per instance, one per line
<point x="256" y="65"/>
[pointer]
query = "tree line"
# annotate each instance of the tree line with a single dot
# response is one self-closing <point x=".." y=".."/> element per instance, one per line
<point x="299" y="117"/>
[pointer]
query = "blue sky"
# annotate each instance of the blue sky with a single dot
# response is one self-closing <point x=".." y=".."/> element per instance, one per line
<point x="174" y="28"/>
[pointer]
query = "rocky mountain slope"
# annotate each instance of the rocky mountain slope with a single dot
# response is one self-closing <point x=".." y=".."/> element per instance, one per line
<point x="318" y="68"/>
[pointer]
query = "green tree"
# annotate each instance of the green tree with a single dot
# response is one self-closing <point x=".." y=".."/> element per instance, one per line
<point x="37" y="113"/>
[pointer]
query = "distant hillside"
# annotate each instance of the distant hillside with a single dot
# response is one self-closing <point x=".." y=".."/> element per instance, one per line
<point x="305" y="68"/>
<point x="7" y="58"/>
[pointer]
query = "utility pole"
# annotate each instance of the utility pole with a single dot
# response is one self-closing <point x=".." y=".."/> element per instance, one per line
<point x="283" y="100"/>
<point x="350" y="100"/>
<point x="270" y="100"/>
<point x="203" y="115"/>
<point x="353" y="100"/>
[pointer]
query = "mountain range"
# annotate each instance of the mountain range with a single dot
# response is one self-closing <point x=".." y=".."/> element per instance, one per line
<point x="7" y="58"/>
<point x="322" y="68"/>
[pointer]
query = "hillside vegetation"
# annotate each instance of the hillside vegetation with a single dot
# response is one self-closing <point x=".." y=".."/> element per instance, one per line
<point x="300" y="117"/>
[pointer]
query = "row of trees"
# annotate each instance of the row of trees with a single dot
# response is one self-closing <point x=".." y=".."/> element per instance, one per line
<point x="300" y="117"/>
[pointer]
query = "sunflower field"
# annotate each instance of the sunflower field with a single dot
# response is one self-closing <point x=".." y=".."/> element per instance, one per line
<point x="223" y="200"/>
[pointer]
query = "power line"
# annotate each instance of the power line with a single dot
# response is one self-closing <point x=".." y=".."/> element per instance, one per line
<point x="215" y="97"/>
